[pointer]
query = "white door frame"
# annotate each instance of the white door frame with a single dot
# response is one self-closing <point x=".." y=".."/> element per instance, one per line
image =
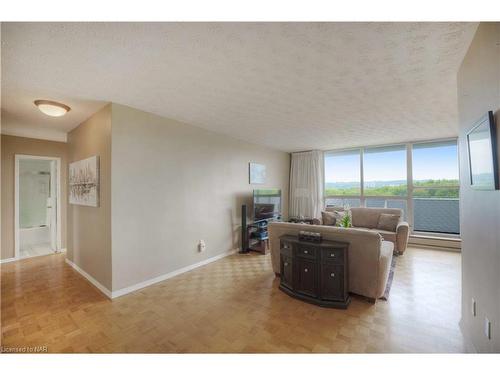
<point x="19" y="157"/>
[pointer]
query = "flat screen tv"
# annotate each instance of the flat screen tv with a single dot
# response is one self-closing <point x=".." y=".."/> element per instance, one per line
<point x="483" y="158"/>
<point x="266" y="203"/>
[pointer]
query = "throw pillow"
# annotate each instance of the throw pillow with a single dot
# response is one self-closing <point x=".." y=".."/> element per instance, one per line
<point x="328" y="218"/>
<point x="339" y="215"/>
<point x="388" y="222"/>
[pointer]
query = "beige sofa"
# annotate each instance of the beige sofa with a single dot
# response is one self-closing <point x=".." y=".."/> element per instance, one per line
<point x="367" y="218"/>
<point x="369" y="255"/>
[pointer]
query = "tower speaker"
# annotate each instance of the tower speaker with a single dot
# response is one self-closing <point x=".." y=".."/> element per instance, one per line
<point x="244" y="239"/>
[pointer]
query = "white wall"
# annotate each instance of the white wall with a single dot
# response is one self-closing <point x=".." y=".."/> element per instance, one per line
<point x="479" y="92"/>
<point x="174" y="184"/>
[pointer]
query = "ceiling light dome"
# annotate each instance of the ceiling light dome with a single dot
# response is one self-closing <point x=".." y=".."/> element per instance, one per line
<point x="51" y="108"/>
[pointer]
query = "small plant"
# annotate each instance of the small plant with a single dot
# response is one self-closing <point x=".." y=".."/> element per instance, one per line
<point x="345" y="222"/>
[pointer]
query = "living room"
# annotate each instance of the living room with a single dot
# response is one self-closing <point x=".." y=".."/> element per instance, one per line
<point x="250" y="187"/>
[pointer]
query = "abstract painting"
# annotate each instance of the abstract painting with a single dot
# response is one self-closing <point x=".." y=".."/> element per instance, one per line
<point x="257" y="173"/>
<point x="84" y="182"/>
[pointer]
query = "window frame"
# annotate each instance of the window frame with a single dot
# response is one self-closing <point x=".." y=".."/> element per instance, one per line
<point x="409" y="181"/>
<point x="404" y="146"/>
<point x="347" y="150"/>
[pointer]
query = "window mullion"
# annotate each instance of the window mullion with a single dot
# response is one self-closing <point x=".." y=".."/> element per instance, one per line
<point x="409" y="184"/>
<point x="362" y="201"/>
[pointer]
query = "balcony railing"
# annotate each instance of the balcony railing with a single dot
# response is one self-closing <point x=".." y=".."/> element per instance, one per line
<point x="436" y="215"/>
<point x="439" y="215"/>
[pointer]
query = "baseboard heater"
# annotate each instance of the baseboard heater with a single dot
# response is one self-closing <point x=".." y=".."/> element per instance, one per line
<point x="451" y="244"/>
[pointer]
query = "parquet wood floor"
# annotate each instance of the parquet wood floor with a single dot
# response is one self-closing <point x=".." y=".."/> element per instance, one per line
<point x="232" y="305"/>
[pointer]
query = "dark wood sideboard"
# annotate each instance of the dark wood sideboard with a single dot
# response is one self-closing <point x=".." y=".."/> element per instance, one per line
<point x="315" y="272"/>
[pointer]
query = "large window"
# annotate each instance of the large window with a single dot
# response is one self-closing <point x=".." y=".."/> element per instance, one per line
<point x="342" y="173"/>
<point x="385" y="171"/>
<point x="435" y="187"/>
<point x="425" y="186"/>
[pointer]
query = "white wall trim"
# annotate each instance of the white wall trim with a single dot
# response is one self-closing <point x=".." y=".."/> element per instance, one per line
<point x="93" y="281"/>
<point x="146" y="283"/>
<point x="141" y="285"/>
<point x="14" y="259"/>
<point x="8" y="260"/>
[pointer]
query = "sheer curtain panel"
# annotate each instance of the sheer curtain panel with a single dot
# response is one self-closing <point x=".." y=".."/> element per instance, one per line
<point x="306" y="184"/>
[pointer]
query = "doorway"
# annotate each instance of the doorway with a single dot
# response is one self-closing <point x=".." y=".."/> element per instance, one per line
<point x="37" y="206"/>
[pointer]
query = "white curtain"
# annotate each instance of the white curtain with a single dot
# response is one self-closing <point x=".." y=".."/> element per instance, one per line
<point x="306" y="184"/>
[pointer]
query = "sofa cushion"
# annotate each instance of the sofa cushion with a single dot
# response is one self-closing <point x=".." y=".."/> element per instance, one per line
<point x="365" y="217"/>
<point x="339" y="216"/>
<point x="388" y="222"/>
<point x="328" y="218"/>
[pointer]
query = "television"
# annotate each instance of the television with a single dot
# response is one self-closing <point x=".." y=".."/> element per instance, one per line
<point x="266" y="204"/>
<point x="483" y="157"/>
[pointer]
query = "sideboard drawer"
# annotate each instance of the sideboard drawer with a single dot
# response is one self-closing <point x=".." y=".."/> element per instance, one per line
<point x="333" y="255"/>
<point x="332" y="282"/>
<point x="307" y="252"/>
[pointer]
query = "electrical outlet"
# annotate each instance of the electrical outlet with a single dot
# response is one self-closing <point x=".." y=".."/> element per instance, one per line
<point x="473" y="306"/>
<point x="202" y="246"/>
<point x="487" y="328"/>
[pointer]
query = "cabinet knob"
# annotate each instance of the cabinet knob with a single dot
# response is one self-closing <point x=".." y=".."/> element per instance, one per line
<point x="286" y="263"/>
<point x="305" y="270"/>
<point x="332" y="255"/>
<point x="306" y="252"/>
<point x="332" y="274"/>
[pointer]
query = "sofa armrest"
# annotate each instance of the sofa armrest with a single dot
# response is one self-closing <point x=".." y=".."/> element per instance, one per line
<point x="402" y="235"/>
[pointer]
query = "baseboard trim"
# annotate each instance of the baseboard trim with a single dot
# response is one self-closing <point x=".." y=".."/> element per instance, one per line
<point x="8" y="260"/>
<point x="146" y="283"/>
<point x="93" y="281"/>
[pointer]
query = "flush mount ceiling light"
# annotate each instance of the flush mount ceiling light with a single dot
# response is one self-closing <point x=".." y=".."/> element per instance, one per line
<point x="51" y="108"/>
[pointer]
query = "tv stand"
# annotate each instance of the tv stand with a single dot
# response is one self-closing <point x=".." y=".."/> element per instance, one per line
<point x="257" y="235"/>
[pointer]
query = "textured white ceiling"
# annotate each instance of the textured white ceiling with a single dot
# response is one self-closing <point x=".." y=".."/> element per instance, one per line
<point x="291" y="86"/>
